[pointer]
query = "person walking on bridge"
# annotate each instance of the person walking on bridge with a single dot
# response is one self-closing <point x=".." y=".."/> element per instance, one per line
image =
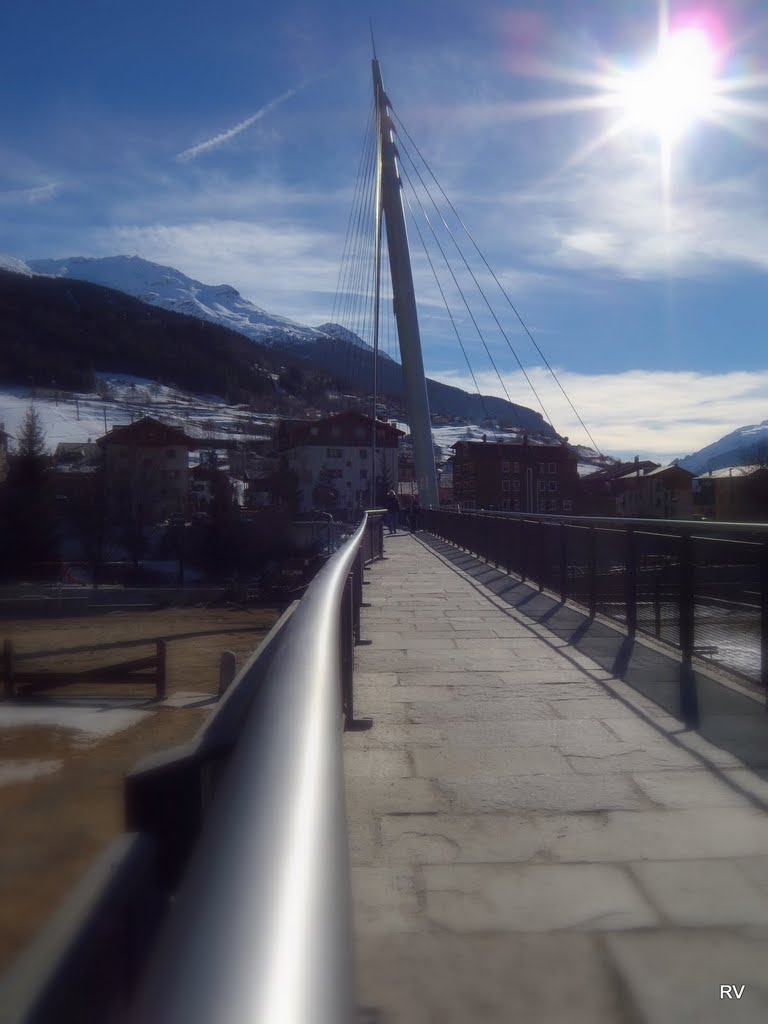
<point x="392" y="505"/>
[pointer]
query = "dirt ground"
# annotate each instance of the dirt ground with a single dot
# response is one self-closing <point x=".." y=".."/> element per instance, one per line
<point x="55" y="824"/>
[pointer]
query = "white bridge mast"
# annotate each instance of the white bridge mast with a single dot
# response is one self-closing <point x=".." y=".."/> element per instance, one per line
<point x="416" y="401"/>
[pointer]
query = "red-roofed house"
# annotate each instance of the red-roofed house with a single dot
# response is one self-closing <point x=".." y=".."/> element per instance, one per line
<point x="146" y="467"/>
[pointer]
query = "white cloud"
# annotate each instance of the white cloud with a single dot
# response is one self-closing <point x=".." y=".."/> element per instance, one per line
<point x="616" y="219"/>
<point x="30" y="196"/>
<point x="661" y="415"/>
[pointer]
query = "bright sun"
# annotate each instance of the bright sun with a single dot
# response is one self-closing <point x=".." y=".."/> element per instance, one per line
<point x="676" y="88"/>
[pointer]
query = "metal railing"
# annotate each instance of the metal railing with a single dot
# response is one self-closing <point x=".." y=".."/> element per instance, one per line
<point x="259" y="929"/>
<point x="701" y="587"/>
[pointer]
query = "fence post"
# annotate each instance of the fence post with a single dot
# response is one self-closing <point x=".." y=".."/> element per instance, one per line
<point x="10" y="689"/>
<point x="592" y="581"/>
<point x="630" y="598"/>
<point x="657" y="604"/>
<point x="540" y="551"/>
<point x="161" y="652"/>
<point x="764" y="618"/>
<point x="347" y="642"/>
<point x="563" y="562"/>
<point x="357" y="593"/>
<point x="689" y="704"/>
<point x="227" y="670"/>
<point x="523" y="550"/>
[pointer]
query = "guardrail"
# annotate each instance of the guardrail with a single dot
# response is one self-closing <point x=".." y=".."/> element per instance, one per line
<point x="701" y="587"/>
<point x="250" y="817"/>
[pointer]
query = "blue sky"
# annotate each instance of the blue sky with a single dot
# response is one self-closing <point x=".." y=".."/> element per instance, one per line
<point x="648" y="298"/>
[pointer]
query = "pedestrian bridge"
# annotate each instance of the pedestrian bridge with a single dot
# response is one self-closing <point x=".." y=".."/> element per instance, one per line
<point x="532" y="832"/>
<point x="533" y="835"/>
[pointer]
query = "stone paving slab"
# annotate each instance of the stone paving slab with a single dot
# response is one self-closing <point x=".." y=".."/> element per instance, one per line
<point x="532" y="837"/>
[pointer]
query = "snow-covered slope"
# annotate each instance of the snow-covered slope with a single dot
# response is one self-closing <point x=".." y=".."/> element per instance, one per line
<point x="123" y="399"/>
<point x="17" y="266"/>
<point x="740" y="447"/>
<point x="170" y="289"/>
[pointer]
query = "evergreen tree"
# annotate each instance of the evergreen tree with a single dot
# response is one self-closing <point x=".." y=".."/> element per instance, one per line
<point x="27" y="508"/>
<point x="30" y="441"/>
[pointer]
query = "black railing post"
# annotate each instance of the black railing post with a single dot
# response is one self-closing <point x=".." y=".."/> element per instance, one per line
<point x="631" y="582"/>
<point x="563" y="562"/>
<point x="541" y="546"/>
<point x="689" y="704"/>
<point x="347" y="641"/>
<point x="764" y="618"/>
<point x="657" y="604"/>
<point x="592" y="572"/>
<point x="356" y="577"/>
<point x="523" y="557"/>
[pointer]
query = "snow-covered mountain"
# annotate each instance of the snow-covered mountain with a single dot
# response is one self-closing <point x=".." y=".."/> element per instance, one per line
<point x="744" y="446"/>
<point x="17" y="266"/>
<point x="333" y="349"/>
<point x="170" y="289"/>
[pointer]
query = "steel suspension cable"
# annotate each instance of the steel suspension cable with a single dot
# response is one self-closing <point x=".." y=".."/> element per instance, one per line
<point x="512" y="349"/>
<point x="461" y="293"/>
<point x="450" y="314"/>
<point x="499" y="284"/>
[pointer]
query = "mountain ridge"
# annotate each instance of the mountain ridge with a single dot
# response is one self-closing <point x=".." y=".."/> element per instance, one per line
<point x="332" y="348"/>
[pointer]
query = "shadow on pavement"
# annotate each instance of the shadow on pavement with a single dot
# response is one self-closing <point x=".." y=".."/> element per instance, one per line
<point x="728" y="719"/>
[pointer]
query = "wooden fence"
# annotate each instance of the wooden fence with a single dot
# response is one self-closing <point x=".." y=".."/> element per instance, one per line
<point x="150" y="670"/>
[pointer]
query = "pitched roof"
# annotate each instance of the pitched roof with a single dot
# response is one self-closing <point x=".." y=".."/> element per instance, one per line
<point x="730" y="472"/>
<point x="147" y="432"/>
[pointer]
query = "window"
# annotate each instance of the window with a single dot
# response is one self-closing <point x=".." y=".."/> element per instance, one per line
<point x="505" y="485"/>
<point x="515" y="467"/>
<point x="363" y="474"/>
<point x="313" y="431"/>
<point x="515" y="485"/>
<point x="335" y="474"/>
<point x="542" y="467"/>
<point x="505" y="504"/>
<point x="567" y="505"/>
<point x="553" y="485"/>
<point x="333" y="453"/>
<point x="516" y="505"/>
<point x="505" y="466"/>
<point x="348" y="465"/>
<point x="553" y="467"/>
<point x="542" y="485"/>
<point x="363" y="453"/>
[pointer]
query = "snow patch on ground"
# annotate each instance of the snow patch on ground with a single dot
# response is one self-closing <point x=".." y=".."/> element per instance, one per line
<point x="91" y="724"/>
<point x="25" y="771"/>
<point x="80" y="417"/>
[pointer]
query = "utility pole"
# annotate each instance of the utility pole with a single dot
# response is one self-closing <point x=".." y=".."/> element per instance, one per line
<point x="416" y="400"/>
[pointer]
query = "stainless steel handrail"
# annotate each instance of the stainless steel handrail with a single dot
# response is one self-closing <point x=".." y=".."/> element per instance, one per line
<point x="623" y="522"/>
<point x="261" y="928"/>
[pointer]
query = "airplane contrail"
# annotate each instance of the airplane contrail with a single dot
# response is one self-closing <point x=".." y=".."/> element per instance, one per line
<point x="230" y="133"/>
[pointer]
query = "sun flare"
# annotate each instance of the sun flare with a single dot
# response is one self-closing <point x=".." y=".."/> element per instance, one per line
<point x="676" y="88"/>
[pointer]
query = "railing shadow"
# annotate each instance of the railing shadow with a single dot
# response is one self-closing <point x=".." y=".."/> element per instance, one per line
<point x="729" y="719"/>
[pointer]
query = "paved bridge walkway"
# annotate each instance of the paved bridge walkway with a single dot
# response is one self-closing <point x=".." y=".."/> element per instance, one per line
<point x="532" y="838"/>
